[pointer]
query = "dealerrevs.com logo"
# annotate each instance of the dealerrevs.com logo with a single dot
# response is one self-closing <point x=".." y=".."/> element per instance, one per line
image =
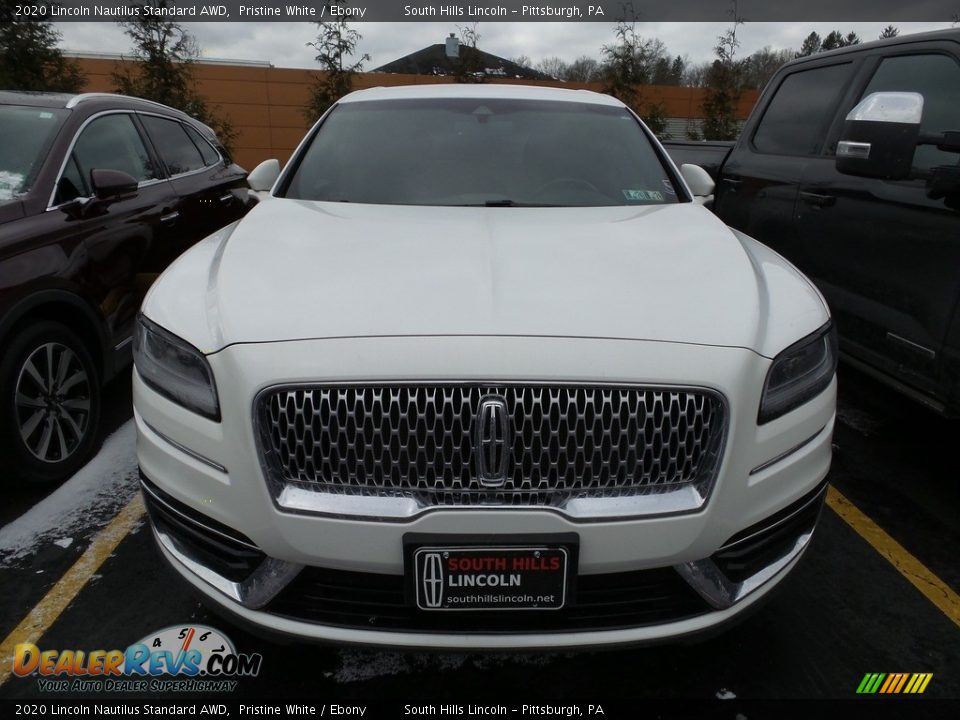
<point x="182" y="658"/>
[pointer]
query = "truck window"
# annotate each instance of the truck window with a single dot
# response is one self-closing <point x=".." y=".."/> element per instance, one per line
<point x="937" y="78"/>
<point x="796" y="120"/>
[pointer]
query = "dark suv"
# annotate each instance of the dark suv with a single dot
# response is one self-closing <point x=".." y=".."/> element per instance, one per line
<point x="98" y="193"/>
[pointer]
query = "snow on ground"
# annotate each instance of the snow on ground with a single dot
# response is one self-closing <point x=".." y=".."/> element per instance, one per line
<point x="81" y="505"/>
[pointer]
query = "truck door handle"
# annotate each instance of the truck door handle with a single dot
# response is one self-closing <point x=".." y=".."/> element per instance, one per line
<point x="170" y="218"/>
<point x="818" y="200"/>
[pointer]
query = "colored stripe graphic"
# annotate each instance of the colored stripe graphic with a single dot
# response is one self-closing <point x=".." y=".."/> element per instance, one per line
<point x="894" y="683"/>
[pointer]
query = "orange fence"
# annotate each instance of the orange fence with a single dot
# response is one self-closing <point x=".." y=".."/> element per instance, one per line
<point x="265" y="104"/>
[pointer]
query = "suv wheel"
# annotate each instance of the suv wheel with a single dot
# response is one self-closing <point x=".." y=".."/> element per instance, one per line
<point x="49" y="404"/>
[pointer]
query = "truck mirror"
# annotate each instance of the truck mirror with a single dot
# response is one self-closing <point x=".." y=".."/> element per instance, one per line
<point x="880" y="136"/>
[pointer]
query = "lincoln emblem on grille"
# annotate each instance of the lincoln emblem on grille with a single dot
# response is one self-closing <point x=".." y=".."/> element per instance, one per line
<point x="492" y="448"/>
<point x="432" y="580"/>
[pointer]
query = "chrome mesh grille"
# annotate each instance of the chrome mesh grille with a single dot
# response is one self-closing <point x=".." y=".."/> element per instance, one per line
<point x="419" y="441"/>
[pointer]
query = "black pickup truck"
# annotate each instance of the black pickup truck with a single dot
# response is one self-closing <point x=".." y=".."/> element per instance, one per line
<point x="848" y="166"/>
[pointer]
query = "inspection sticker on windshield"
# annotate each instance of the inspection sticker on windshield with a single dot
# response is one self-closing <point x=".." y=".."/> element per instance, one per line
<point x="643" y="195"/>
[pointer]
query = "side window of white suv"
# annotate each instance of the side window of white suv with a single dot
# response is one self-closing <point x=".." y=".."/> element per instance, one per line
<point x="937" y="78"/>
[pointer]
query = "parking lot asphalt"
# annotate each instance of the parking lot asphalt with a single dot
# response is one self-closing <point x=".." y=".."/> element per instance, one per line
<point x="852" y="606"/>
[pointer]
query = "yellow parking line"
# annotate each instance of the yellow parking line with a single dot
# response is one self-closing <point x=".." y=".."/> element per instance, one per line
<point x="935" y="589"/>
<point x="45" y="613"/>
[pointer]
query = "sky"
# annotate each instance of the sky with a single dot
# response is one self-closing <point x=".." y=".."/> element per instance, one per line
<point x="285" y="44"/>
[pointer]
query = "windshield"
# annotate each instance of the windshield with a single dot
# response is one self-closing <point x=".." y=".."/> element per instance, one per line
<point x="26" y="133"/>
<point x="478" y="152"/>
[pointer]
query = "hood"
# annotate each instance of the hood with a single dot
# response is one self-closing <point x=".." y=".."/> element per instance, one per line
<point x="297" y="269"/>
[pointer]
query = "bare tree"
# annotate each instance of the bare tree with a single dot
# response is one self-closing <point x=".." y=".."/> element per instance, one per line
<point x="553" y="66"/>
<point x="695" y="74"/>
<point x="757" y="69"/>
<point x="336" y="44"/>
<point x="584" y="69"/>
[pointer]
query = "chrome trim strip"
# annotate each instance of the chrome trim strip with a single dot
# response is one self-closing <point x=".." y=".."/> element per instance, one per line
<point x="221" y="161"/>
<point x="898" y="385"/>
<point x="850" y="149"/>
<point x="910" y="345"/>
<point x="123" y="344"/>
<point x="82" y="97"/>
<point x="679" y="501"/>
<point x="784" y="455"/>
<point x="766" y="528"/>
<point x="255" y="592"/>
<point x="193" y="521"/>
<point x="185" y="450"/>
<point x="73" y="142"/>
<point x="682" y="500"/>
<point x="713" y="586"/>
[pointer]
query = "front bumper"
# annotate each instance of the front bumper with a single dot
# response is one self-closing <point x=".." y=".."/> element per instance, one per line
<point x="682" y="567"/>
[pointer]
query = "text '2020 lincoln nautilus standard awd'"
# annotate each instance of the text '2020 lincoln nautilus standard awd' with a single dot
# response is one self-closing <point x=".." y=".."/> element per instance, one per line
<point x="481" y="371"/>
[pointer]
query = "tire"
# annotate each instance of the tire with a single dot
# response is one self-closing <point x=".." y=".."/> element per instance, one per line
<point x="46" y="434"/>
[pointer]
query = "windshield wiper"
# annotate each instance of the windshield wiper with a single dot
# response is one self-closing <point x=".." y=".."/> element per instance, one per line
<point x="509" y="203"/>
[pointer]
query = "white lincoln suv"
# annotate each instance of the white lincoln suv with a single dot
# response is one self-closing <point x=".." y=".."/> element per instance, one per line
<point x="481" y="371"/>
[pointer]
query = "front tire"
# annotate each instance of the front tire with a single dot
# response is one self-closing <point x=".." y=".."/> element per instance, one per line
<point x="49" y="404"/>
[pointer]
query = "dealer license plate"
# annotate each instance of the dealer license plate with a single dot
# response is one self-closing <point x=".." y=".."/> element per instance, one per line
<point x="490" y="578"/>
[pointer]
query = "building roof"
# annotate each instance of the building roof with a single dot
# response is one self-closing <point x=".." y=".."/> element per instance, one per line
<point x="433" y="60"/>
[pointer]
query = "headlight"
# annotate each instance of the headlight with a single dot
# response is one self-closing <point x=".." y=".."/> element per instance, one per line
<point x="175" y="369"/>
<point x="799" y="373"/>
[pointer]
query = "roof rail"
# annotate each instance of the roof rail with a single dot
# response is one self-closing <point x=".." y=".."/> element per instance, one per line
<point x="83" y="97"/>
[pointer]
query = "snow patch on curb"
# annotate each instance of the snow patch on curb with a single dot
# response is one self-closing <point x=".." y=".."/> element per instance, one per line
<point x="93" y="494"/>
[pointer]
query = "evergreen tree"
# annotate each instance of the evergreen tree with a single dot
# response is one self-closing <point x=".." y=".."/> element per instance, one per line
<point x="836" y="40"/>
<point x="811" y="45"/>
<point x="628" y="66"/>
<point x="724" y="85"/>
<point x="335" y="45"/>
<point x="889" y="32"/>
<point x="30" y="58"/>
<point x="161" y="69"/>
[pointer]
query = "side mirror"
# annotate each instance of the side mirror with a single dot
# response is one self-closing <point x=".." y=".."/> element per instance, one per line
<point x="699" y="182"/>
<point x="880" y="136"/>
<point x="264" y="175"/>
<point x="112" y="185"/>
